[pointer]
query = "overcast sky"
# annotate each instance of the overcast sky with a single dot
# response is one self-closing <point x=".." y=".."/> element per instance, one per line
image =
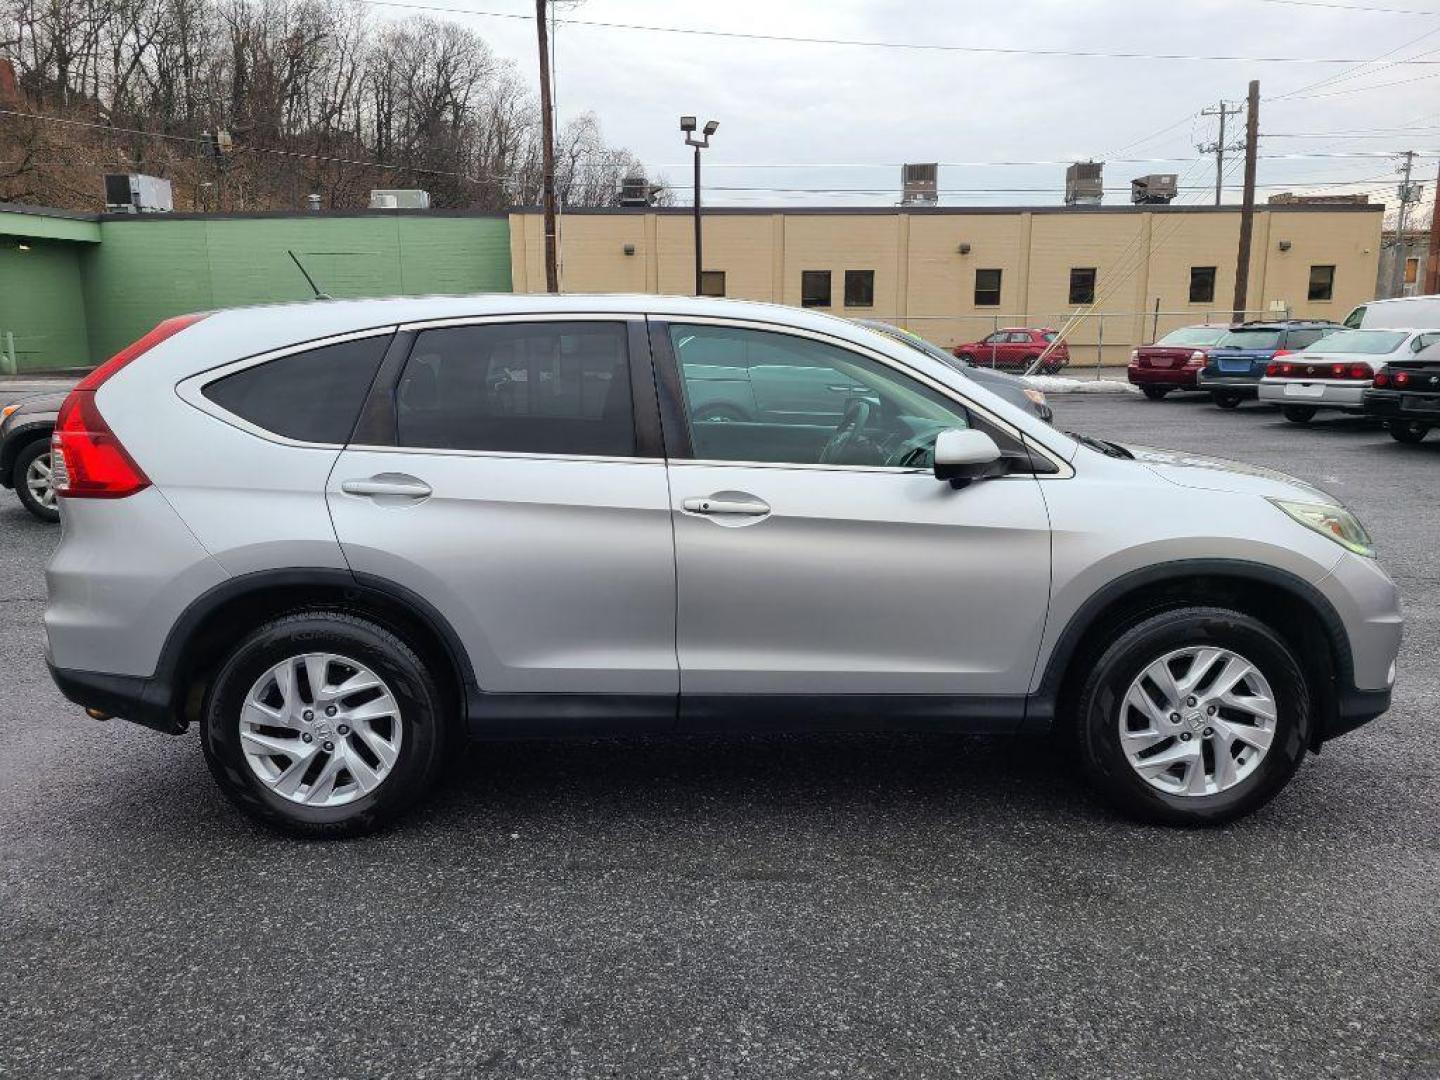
<point x="836" y="105"/>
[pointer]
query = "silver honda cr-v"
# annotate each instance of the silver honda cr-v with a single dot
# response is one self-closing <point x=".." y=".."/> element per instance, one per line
<point x="343" y="536"/>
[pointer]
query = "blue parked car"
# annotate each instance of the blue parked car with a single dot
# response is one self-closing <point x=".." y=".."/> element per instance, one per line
<point x="1237" y="362"/>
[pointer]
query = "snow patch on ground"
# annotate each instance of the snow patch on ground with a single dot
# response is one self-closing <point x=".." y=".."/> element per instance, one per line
<point x="1060" y="384"/>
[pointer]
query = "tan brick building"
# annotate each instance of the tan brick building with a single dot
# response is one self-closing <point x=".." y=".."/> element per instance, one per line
<point x="955" y="273"/>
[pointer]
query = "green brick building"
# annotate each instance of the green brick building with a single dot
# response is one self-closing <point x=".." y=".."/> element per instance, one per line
<point x="76" y="288"/>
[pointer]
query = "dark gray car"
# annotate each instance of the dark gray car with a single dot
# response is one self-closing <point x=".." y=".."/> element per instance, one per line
<point x="1010" y="387"/>
<point x="25" y="452"/>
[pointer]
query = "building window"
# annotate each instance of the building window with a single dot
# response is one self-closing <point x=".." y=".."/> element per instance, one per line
<point x="1202" y="284"/>
<point x="987" y="288"/>
<point x="814" y="288"/>
<point x="712" y="282"/>
<point x="1412" y="271"/>
<point x="859" y="288"/>
<point x="1082" y="285"/>
<point x="1322" y="283"/>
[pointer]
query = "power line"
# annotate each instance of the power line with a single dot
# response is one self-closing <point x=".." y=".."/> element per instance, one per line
<point x="917" y="46"/>
<point x="1353" y="7"/>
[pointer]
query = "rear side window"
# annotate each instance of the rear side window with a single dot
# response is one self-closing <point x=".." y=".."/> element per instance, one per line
<point x="523" y="388"/>
<point x="313" y="396"/>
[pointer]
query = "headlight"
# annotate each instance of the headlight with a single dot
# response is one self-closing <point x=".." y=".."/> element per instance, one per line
<point x="1036" y="396"/>
<point x="1335" y="522"/>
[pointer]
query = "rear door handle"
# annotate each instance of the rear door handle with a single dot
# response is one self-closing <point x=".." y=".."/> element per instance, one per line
<point x="392" y="484"/>
<point x="711" y="505"/>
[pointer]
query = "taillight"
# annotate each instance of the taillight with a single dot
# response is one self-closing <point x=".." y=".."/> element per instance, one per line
<point x="88" y="460"/>
<point x="1382" y="378"/>
<point x="1402" y="378"/>
<point x="1271" y="370"/>
<point x="1197" y="358"/>
<point x="1359" y="371"/>
<point x="1287" y="369"/>
<point x="1337" y="371"/>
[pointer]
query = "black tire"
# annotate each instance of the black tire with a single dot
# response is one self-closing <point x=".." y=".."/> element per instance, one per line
<point x="1227" y="399"/>
<point x="719" y="414"/>
<point x="1298" y="414"/>
<point x="1097" y="715"/>
<point x="1407" y="431"/>
<point x="424" y="713"/>
<point x="39" y="448"/>
<point x="965" y="358"/>
<point x="1155" y="393"/>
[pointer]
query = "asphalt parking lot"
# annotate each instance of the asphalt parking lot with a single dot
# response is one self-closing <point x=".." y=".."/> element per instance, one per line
<point x="809" y="907"/>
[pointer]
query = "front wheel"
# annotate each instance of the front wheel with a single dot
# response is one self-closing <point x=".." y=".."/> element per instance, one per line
<point x="1298" y="414"/>
<point x="1227" y="399"/>
<point x="1155" y="393"/>
<point x="33" y="481"/>
<point x="1407" y="431"/>
<point x="324" y="724"/>
<point x="1195" y="716"/>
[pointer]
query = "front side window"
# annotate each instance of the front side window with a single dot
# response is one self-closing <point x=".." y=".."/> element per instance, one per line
<point x="525" y="388"/>
<point x="1082" y="285"/>
<point x="1322" y="283"/>
<point x="312" y="396"/>
<point x="1202" y="284"/>
<point x="987" y="288"/>
<point x="712" y="282"/>
<point x="859" y="288"/>
<point x="801" y="401"/>
<point x="815" y="288"/>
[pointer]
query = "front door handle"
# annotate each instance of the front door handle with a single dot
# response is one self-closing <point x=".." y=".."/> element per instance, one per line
<point x="397" y="485"/>
<point x="714" y="505"/>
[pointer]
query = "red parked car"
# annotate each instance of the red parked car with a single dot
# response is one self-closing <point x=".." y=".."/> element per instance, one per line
<point x="1015" y="347"/>
<point x="1175" y="361"/>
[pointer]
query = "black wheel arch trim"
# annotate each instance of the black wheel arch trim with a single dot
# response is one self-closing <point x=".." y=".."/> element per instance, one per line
<point x="1351" y="707"/>
<point x="19" y="438"/>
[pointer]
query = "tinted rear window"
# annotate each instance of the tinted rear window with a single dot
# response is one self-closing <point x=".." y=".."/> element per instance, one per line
<point x="1192" y="336"/>
<point x="1364" y="342"/>
<point x="1251" y="339"/>
<point x="312" y="396"/>
<point x="526" y="387"/>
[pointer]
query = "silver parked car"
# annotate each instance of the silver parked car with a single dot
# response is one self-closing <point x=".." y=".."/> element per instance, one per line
<point x="341" y="536"/>
<point x="1335" y="372"/>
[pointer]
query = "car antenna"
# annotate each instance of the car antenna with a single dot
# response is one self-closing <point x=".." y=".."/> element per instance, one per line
<point x="309" y="280"/>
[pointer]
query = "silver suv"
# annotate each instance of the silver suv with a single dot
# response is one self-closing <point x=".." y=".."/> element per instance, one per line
<point x="343" y="536"/>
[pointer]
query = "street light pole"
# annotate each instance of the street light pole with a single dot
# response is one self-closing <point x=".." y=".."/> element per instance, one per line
<point x="687" y="125"/>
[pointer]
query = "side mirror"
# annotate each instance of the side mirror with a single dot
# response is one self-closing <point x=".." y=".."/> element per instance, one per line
<point x="963" y="456"/>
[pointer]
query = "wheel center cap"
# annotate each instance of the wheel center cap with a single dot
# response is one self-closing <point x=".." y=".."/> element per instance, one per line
<point x="1195" y="721"/>
<point x="322" y="729"/>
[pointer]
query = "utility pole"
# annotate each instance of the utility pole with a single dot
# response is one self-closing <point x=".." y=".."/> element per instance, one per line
<point x="1408" y="193"/>
<point x="1247" y="208"/>
<point x="547" y="130"/>
<point x="1432" y="264"/>
<point x="1218" y="147"/>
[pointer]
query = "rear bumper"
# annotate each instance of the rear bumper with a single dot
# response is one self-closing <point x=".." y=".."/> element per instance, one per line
<point x="1402" y="405"/>
<point x="1237" y="384"/>
<point x="1332" y="395"/>
<point x="144" y="701"/>
<point x="1175" y="378"/>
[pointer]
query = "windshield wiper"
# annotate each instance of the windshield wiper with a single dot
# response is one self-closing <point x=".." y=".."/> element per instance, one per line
<point x="1109" y="449"/>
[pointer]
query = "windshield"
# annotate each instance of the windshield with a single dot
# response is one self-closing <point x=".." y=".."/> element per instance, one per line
<point x="1363" y="342"/>
<point x="1194" y="335"/>
<point x="1248" y="338"/>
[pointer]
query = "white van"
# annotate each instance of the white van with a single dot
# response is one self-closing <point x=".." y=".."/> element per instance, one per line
<point x="1396" y="314"/>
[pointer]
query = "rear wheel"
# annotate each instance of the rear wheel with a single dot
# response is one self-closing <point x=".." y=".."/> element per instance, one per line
<point x="1298" y="414"/>
<point x="1193" y="717"/>
<point x="965" y="358"/>
<point x="33" y="481"/>
<point x="1407" y="431"/>
<point x="324" y="724"/>
<point x="1227" y="399"/>
<point x="1155" y="393"/>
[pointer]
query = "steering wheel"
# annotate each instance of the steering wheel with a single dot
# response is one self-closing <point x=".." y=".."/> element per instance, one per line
<point x="852" y="422"/>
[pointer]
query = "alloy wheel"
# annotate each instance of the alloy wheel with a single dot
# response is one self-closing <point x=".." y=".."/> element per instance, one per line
<point x="320" y="729"/>
<point x="39" y="481"/>
<point x="1197" y="721"/>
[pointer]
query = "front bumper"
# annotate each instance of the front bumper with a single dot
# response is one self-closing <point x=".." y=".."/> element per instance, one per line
<point x="1368" y="605"/>
<point x="1318" y="393"/>
<point x="1402" y="405"/>
<point x="1175" y="378"/>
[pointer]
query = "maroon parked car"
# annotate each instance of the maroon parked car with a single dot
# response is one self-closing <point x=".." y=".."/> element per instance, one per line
<point x="1015" y="348"/>
<point x="1175" y="361"/>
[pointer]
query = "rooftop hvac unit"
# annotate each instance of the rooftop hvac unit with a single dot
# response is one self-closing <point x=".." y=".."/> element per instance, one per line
<point x="136" y="193"/>
<point x="919" y="184"/>
<point x="1084" y="184"/>
<point x="635" y="191"/>
<point x="1155" y="188"/>
<point x="399" y="199"/>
